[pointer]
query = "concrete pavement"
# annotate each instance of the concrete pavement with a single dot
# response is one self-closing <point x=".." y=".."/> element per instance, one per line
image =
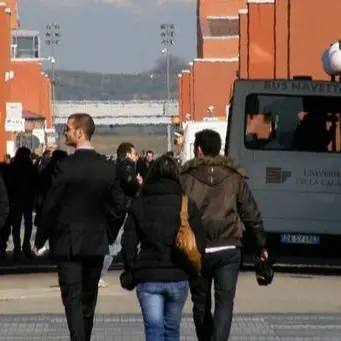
<point x="245" y="327"/>
<point x="294" y="308"/>
<point x="39" y="294"/>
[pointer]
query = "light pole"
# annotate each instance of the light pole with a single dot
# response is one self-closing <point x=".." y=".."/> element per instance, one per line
<point x="167" y="40"/>
<point x="52" y="39"/>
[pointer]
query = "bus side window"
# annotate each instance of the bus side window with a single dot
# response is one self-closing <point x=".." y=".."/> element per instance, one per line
<point x="293" y="123"/>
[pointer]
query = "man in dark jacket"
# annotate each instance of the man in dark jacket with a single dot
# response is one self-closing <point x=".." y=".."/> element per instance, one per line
<point x="144" y="164"/>
<point x="126" y="169"/>
<point x="225" y="201"/>
<point x="130" y="184"/>
<point x="82" y="214"/>
<point x="21" y="180"/>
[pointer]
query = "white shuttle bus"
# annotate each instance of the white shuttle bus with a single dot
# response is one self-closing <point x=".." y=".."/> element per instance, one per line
<point x="286" y="133"/>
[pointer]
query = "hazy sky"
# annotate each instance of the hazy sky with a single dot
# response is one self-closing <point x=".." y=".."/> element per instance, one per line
<point x="112" y="36"/>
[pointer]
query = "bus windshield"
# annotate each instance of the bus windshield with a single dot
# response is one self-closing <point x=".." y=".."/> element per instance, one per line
<point x="293" y="123"/>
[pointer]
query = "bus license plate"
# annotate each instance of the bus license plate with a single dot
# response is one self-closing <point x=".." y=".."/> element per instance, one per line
<point x="300" y="239"/>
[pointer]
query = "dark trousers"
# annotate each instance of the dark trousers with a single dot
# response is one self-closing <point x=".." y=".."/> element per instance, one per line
<point x="222" y="268"/>
<point x="78" y="281"/>
<point x="5" y="232"/>
<point x="16" y="213"/>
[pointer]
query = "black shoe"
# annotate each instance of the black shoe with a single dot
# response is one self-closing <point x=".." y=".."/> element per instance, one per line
<point x="28" y="254"/>
<point x="3" y="254"/>
<point x="27" y="251"/>
<point x="17" y="255"/>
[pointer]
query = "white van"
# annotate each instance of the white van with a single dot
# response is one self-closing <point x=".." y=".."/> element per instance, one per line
<point x="192" y="127"/>
<point x="286" y="133"/>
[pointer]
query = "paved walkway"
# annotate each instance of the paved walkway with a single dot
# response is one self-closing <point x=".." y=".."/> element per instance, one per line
<point x="294" y="308"/>
<point x="247" y="327"/>
<point x="40" y="294"/>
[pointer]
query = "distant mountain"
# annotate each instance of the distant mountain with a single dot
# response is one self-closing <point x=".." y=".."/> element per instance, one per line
<point x="150" y="85"/>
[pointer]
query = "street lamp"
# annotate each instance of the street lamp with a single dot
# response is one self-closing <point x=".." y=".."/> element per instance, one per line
<point x="52" y="39"/>
<point x="167" y="40"/>
<point x="167" y="36"/>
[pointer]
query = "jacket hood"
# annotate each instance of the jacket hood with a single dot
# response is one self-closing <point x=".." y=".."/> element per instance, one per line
<point x="212" y="170"/>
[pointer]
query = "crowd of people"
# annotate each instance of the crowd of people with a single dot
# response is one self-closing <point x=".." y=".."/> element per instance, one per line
<point x="26" y="180"/>
<point x="87" y="202"/>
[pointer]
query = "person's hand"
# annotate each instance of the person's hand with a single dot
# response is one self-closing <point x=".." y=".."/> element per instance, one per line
<point x="35" y="251"/>
<point x="263" y="268"/>
<point x="139" y="179"/>
<point x="264" y="254"/>
<point x="127" y="281"/>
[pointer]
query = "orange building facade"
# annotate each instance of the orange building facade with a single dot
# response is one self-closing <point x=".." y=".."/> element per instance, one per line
<point x="12" y="5"/>
<point x="208" y="81"/>
<point x="30" y="87"/>
<point x="252" y="39"/>
<point x="22" y="81"/>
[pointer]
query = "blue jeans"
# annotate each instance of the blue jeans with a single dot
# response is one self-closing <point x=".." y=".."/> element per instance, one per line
<point x="162" y="304"/>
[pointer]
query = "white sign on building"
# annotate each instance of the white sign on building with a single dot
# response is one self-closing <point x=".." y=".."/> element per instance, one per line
<point x="14" y="110"/>
<point x="15" y="124"/>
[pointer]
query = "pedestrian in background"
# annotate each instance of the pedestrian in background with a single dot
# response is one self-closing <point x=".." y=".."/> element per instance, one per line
<point x="130" y="183"/>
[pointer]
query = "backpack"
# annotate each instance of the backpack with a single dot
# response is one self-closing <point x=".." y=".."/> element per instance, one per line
<point x="186" y="248"/>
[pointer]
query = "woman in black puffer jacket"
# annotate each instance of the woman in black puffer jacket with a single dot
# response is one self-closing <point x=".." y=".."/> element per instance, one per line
<point x="153" y="222"/>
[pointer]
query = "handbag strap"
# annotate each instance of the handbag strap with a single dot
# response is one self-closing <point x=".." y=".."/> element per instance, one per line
<point x="184" y="209"/>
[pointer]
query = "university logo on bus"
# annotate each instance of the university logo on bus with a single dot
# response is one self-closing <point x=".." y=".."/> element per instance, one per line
<point x="276" y="175"/>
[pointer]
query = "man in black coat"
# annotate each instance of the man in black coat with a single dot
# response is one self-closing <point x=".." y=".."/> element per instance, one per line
<point x="144" y="164"/>
<point x="82" y="214"/>
<point x="130" y="184"/>
<point x="126" y="169"/>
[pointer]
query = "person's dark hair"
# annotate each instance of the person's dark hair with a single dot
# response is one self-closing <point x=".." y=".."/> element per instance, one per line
<point x="149" y="152"/>
<point x="123" y="149"/>
<point x="164" y="167"/>
<point x="23" y="154"/>
<point x="209" y="142"/>
<point x="170" y="153"/>
<point x="58" y="155"/>
<point x="85" y="122"/>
